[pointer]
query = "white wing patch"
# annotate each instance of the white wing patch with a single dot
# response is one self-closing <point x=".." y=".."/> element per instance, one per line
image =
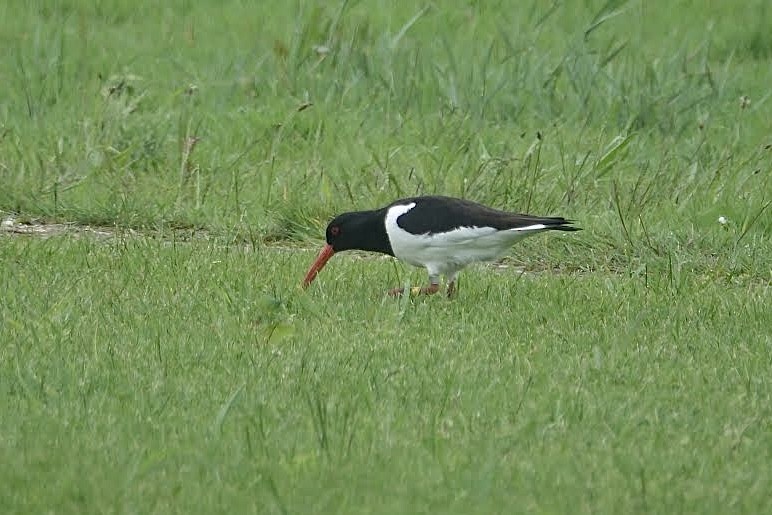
<point x="448" y="252"/>
<point x="527" y="228"/>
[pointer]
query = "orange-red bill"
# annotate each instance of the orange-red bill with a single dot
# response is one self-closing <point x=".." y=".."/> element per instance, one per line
<point x="319" y="263"/>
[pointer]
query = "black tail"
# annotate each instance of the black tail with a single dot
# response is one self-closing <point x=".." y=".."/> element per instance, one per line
<point x="558" y="224"/>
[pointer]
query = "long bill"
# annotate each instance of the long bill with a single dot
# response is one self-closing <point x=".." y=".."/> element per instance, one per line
<point x="319" y="263"/>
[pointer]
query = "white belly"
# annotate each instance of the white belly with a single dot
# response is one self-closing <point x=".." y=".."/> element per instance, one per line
<point x="448" y="252"/>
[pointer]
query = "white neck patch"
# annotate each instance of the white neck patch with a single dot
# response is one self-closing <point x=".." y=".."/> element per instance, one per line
<point x="395" y="212"/>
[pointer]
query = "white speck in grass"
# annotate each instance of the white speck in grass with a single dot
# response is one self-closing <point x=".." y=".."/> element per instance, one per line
<point x="723" y="220"/>
<point x="322" y="49"/>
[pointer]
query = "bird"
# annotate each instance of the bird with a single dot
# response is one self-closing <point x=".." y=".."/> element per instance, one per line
<point x="441" y="234"/>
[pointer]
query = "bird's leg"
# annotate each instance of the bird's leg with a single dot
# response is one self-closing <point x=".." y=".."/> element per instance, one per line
<point x="428" y="290"/>
<point x="415" y="290"/>
<point x="451" y="286"/>
<point x="434" y="287"/>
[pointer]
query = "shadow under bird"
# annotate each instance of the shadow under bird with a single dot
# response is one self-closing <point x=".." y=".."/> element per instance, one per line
<point x="441" y="234"/>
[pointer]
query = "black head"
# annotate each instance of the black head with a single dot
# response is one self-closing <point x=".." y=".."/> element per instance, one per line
<point x="361" y="230"/>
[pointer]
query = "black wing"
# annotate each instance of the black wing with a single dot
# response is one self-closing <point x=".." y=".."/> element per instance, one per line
<point x="436" y="214"/>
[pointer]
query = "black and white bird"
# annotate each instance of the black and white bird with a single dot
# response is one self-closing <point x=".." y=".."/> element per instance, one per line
<point x="441" y="234"/>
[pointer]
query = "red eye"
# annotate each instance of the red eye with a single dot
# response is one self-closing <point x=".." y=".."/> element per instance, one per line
<point x="334" y="230"/>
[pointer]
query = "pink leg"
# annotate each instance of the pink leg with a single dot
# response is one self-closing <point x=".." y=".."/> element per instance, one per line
<point x="416" y="290"/>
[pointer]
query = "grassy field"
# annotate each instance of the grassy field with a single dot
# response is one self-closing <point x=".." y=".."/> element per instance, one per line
<point x="166" y="173"/>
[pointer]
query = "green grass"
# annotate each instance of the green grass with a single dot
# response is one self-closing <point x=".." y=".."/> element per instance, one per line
<point x="142" y="376"/>
<point x="176" y="366"/>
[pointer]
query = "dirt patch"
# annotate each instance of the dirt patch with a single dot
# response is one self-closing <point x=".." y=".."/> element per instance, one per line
<point x="9" y="226"/>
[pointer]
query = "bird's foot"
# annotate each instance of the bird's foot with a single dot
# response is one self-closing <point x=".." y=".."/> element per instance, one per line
<point x="415" y="290"/>
<point x="451" y="289"/>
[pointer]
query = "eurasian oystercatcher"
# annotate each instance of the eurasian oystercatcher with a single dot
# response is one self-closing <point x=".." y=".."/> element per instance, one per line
<point x="441" y="234"/>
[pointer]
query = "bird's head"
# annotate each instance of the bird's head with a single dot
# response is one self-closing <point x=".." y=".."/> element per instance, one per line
<point x="347" y="231"/>
<point x="340" y="236"/>
<point x="361" y="230"/>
